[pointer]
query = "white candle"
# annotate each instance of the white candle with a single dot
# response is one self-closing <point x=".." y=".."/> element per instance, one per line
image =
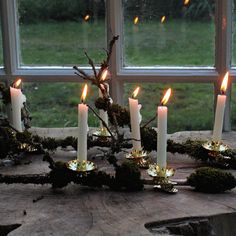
<point x="105" y="86"/>
<point x="17" y="100"/>
<point x="102" y="113"/>
<point x="162" y="131"/>
<point x="220" y="108"/>
<point x="162" y="135"/>
<point x="134" y="121"/>
<point x="82" y="128"/>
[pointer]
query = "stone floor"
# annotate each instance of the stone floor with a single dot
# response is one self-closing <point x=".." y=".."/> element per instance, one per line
<point x="77" y="210"/>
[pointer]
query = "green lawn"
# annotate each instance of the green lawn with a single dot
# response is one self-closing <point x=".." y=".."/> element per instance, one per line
<point x="174" y="43"/>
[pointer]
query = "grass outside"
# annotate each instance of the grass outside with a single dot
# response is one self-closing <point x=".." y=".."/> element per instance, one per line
<point x="55" y="104"/>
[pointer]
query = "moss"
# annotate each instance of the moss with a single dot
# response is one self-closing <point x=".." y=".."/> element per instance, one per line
<point x="148" y="138"/>
<point x="60" y="175"/>
<point x="128" y="177"/>
<point x="102" y="103"/>
<point x="121" y="114"/>
<point x="211" y="180"/>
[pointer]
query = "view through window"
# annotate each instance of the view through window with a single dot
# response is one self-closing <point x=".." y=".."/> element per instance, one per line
<point x="169" y="33"/>
<point x="56" y="104"/>
<point x="190" y="106"/>
<point x="57" y="32"/>
<point x="156" y="33"/>
<point x="1" y="52"/>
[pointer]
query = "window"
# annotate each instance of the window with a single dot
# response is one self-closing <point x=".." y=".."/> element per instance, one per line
<point x="43" y="39"/>
<point x="168" y="33"/>
<point x="55" y="104"/>
<point x="190" y="106"/>
<point x="58" y="32"/>
<point x="1" y="52"/>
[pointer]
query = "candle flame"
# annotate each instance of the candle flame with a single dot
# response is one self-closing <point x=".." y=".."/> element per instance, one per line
<point x="136" y="20"/>
<point x="135" y="93"/>
<point x="186" y="2"/>
<point x="17" y="83"/>
<point x="87" y="17"/>
<point x="224" y="83"/>
<point x="84" y="93"/>
<point x="163" y="18"/>
<point x="166" y="97"/>
<point x="104" y="75"/>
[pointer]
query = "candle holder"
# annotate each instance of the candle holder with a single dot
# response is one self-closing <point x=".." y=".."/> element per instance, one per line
<point x="81" y="166"/>
<point x="215" y="146"/>
<point x="27" y="147"/>
<point x="102" y="134"/>
<point x="161" y="178"/>
<point x="215" y="150"/>
<point x="140" y="157"/>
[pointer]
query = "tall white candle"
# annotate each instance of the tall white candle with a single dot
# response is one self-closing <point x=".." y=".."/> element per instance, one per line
<point x="82" y="128"/>
<point x="17" y="100"/>
<point x="134" y="121"/>
<point x="162" y="131"/>
<point x="220" y="108"/>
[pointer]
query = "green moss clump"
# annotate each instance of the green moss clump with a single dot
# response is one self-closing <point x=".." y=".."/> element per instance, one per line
<point x="102" y="103"/>
<point x="128" y="177"/>
<point x="211" y="180"/>
<point x="148" y="138"/>
<point x="60" y="175"/>
<point x="120" y="113"/>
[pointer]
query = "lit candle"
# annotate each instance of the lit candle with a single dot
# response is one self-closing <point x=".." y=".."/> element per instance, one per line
<point x="220" y="108"/>
<point x="82" y="127"/>
<point x="134" y="108"/>
<point x="17" y="102"/>
<point x="162" y="130"/>
<point x="105" y="87"/>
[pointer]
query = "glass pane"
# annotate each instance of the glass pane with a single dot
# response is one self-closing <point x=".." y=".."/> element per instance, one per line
<point x="57" y="32"/>
<point x="1" y="48"/>
<point x="56" y="104"/>
<point x="190" y="106"/>
<point x="234" y="36"/>
<point x="169" y="32"/>
<point x="233" y="108"/>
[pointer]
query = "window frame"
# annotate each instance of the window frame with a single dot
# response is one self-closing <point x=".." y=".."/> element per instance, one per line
<point x="120" y="75"/>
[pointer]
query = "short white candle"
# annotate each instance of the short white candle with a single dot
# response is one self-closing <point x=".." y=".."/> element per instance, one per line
<point x="82" y="128"/>
<point x="103" y="114"/>
<point x="162" y="131"/>
<point x="220" y="108"/>
<point x="17" y="101"/>
<point x="134" y="121"/>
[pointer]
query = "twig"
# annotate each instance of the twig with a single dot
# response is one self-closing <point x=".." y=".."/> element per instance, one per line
<point x="152" y="119"/>
<point x="91" y="64"/>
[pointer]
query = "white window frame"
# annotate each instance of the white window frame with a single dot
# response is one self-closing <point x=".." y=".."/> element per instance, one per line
<point x="120" y="75"/>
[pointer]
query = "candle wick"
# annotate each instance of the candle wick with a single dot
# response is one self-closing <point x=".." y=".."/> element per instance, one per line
<point x="222" y="92"/>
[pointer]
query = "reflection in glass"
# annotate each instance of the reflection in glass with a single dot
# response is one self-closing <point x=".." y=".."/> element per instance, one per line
<point x="169" y="33"/>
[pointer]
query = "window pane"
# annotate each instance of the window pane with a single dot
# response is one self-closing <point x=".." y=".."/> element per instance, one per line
<point x="56" y="104"/>
<point x="1" y="52"/>
<point x="169" y="33"/>
<point x="57" y="32"/>
<point x="233" y="108"/>
<point x="234" y="36"/>
<point x="190" y="106"/>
